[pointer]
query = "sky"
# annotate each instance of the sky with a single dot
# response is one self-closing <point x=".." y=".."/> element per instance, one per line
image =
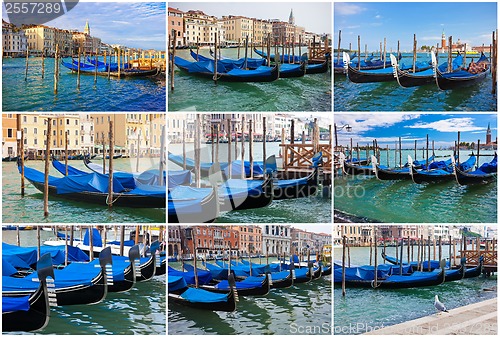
<point x="133" y="24"/>
<point x="471" y="22"/>
<point x="388" y="127"/>
<point x="315" y="17"/>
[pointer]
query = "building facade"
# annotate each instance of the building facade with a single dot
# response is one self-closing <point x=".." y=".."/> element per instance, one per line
<point x="176" y="25"/>
<point x="9" y="135"/>
<point x="250" y="240"/>
<point x="276" y="240"/>
<point x="14" y="41"/>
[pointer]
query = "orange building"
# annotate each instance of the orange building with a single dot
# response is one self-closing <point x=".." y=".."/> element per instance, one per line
<point x="9" y="139"/>
<point x="211" y="240"/>
<point x="176" y="23"/>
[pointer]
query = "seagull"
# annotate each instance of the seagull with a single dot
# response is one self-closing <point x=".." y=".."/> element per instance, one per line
<point x="438" y="305"/>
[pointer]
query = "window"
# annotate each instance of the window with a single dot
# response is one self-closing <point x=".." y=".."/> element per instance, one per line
<point x="35" y="141"/>
<point x="9" y="133"/>
<point x="76" y="121"/>
<point x="35" y="120"/>
<point x="35" y="131"/>
<point x="25" y="119"/>
<point x="76" y="132"/>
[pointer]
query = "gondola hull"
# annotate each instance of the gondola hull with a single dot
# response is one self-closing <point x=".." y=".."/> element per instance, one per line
<point x="148" y="268"/>
<point x="292" y="191"/>
<point x="352" y="169"/>
<point x="384" y="174"/>
<point x="317" y="68"/>
<point x="261" y="290"/>
<point x="447" y="83"/>
<point x="408" y="80"/>
<point x="249" y="200"/>
<point x="119" y="199"/>
<point x="208" y="212"/>
<point x="228" y="305"/>
<point x="35" y="318"/>
<point x="464" y="178"/>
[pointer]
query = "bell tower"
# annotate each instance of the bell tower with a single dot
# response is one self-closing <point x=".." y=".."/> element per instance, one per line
<point x="443" y="40"/>
<point x="87" y="28"/>
<point x="488" y="134"/>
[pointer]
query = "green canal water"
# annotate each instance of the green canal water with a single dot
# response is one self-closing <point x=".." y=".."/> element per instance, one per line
<point x="307" y="93"/>
<point x="37" y="94"/>
<point x="315" y="209"/>
<point x="29" y="209"/>
<point x="365" y="309"/>
<point x="370" y="199"/>
<point x="390" y="96"/>
<point x="302" y="309"/>
<point x="139" y="311"/>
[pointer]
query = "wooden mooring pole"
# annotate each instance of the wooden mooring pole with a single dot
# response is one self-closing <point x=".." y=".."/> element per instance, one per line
<point x="229" y="140"/>
<point x="110" y="171"/>
<point x="56" y="70"/>
<point x="47" y="159"/>
<point x="264" y="131"/>
<point x="243" y="175"/>
<point x="78" y="70"/>
<point x="343" y="265"/>
<point x="66" y="153"/>
<point x="43" y="63"/>
<point x="26" y="70"/>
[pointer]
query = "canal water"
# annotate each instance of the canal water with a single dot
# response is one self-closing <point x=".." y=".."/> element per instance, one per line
<point x="29" y="209"/>
<point x="300" y="310"/>
<point x="390" y="96"/>
<point x="404" y="201"/>
<point x="364" y="309"/>
<point x="307" y="93"/>
<point x="37" y="94"/>
<point x="139" y="311"/>
<point x="315" y="209"/>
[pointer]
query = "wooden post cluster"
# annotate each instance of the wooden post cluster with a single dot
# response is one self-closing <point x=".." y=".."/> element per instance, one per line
<point x="47" y="159"/>
<point x="110" y="171"/>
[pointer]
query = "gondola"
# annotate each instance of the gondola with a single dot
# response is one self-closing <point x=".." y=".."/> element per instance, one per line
<point x="244" y="288"/>
<point x="318" y="68"/>
<point x="180" y="293"/>
<point x="355" y="169"/>
<point x="206" y="69"/>
<point x="30" y="312"/>
<point x="285" y="58"/>
<point x="292" y="70"/>
<point x="103" y="70"/>
<point x="192" y="205"/>
<point x="162" y="269"/>
<point x="455" y="274"/>
<point x="242" y="63"/>
<point x="148" y="264"/>
<point x="463" y="78"/>
<point x="289" y="187"/>
<point x="205" y="166"/>
<point x="238" y="194"/>
<point x="93" y="188"/>
<point x="327" y="270"/>
<point x="484" y="174"/>
<point x="77" y="283"/>
<point x="475" y="271"/>
<point x="439" y="175"/>
<point x="303" y="275"/>
<point x="123" y="271"/>
<point x="433" y="263"/>
<point x="368" y="64"/>
<point x="383" y="173"/>
<point x="377" y="75"/>
<point x="357" y="277"/>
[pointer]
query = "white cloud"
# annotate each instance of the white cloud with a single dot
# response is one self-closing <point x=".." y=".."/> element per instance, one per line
<point x="364" y="122"/>
<point x="347" y="9"/>
<point x="430" y="38"/>
<point x="449" y="125"/>
<point x="378" y="16"/>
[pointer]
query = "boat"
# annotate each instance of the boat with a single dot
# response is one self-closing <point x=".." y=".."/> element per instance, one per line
<point x="408" y="79"/>
<point x="475" y="73"/>
<point x="192" y="205"/>
<point x="434" y="264"/>
<point x="30" y="312"/>
<point x="475" y="271"/>
<point x="147" y="264"/>
<point x="206" y="69"/>
<point x="285" y="58"/>
<point x="353" y="168"/>
<point x="130" y="180"/>
<point x="403" y="173"/>
<point x="179" y="292"/>
<point x="484" y="174"/>
<point x="290" y="185"/>
<point x="318" y="68"/>
<point x="292" y="70"/>
<point x="379" y="75"/>
<point x="368" y="64"/>
<point x="179" y="177"/>
<point x="439" y="175"/>
<point x="258" y="166"/>
<point x="93" y="188"/>
<point x="76" y="283"/>
<point x="103" y="70"/>
<point x="365" y="278"/>
<point x="240" y="194"/>
<point x="303" y="275"/>
<point x="244" y="288"/>
<point x="242" y="63"/>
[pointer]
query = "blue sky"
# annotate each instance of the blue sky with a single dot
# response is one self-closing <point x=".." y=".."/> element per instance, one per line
<point x="316" y="17"/>
<point x="472" y="22"/>
<point x="388" y="127"/>
<point x="133" y="24"/>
